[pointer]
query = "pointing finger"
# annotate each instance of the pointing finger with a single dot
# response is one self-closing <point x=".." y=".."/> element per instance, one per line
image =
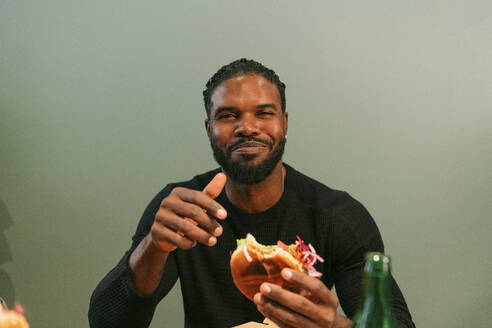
<point x="214" y="187"/>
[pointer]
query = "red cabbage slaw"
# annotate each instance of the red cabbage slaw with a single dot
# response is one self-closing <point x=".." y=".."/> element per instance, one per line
<point x="308" y="256"/>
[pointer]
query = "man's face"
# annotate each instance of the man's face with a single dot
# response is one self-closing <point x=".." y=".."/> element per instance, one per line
<point x="246" y="127"/>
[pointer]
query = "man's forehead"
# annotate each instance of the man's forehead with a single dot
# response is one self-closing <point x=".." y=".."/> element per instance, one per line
<point x="249" y="83"/>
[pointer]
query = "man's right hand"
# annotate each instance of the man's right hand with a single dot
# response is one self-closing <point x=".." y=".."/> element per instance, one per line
<point x="187" y="216"/>
<point x="184" y="218"/>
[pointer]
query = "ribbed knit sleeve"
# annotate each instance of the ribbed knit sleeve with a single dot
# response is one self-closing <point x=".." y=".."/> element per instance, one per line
<point x="355" y="234"/>
<point x="114" y="302"/>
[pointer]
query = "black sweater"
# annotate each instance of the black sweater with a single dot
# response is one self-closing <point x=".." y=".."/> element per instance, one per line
<point x="339" y="227"/>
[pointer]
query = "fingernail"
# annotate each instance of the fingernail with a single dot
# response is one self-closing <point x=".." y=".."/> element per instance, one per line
<point x="218" y="231"/>
<point x="266" y="289"/>
<point x="287" y="274"/>
<point x="258" y="298"/>
<point x="221" y="213"/>
<point x="212" y="241"/>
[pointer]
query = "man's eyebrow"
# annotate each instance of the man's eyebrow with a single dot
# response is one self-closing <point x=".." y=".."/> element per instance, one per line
<point x="272" y="106"/>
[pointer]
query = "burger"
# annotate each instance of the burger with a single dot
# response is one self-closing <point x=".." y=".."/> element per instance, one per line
<point x="12" y="318"/>
<point x="253" y="264"/>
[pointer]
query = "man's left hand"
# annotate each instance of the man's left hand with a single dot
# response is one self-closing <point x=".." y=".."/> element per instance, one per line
<point x="288" y="309"/>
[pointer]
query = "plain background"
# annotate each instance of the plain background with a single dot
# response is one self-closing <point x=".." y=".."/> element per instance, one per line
<point x="100" y="107"/>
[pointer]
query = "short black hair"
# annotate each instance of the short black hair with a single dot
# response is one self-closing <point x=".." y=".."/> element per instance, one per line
<point x="239" y="67"/>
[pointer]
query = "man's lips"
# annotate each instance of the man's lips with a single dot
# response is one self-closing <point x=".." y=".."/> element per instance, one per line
<point x="249" y="147"/>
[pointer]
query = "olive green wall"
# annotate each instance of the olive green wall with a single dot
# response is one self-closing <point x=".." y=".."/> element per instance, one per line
<point x="100" y="107"/>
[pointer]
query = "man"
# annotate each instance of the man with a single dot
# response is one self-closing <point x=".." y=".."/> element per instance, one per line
<point x="189" y="229"/>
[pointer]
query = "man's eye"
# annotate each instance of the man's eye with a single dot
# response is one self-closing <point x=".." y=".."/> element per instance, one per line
<point x="226" y="116"/>
<point x="265" y="113"/>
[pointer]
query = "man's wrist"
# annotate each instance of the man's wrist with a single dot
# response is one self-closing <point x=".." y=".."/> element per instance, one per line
<point x="146" y="264"/>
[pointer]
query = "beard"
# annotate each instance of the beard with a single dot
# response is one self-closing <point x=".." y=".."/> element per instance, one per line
<point x="243" y="172"/>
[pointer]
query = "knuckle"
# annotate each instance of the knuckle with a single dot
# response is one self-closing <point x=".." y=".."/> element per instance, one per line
<point x="177" y="190"/>
<point x="185" y="227"/>
<point x="153" y="232"/>
<point x="193" y="196"/>
<point x="157" y="234"/>
<point x="186" y="244"/>
<point x="266" y="309"/>
<point x="291" y="319"/>
<point x="213" y="205"/>
<point x="327" y="317"/>
<point x="327" y="321"/>
<point x="202" y="237"/>
<point x="318" y="288"/>
<point x="276" y="291"/>
<point x="261" y="310"/>
<point x="160" y="219"/>
<point x="210" y="227"/>
<point x="157" y="218"/>
<point x="195" y="211"/>
<point x="166" y="202"/>
<point x="213" y="226"/>
<point x="303" y="303"/>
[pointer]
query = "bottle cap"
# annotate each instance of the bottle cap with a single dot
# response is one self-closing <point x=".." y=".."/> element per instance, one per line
<point x="377" y="262"/>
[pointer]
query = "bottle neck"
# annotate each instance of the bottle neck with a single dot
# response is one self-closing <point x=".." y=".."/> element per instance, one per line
<point x="376" y="305"/>
<point x="377" y="285"/>
<point x="375" y="311"/>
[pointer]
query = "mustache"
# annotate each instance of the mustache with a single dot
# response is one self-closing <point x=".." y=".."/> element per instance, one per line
<point x="243" y="141"/>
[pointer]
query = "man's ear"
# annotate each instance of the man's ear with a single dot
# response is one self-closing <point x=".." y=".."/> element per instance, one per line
<point x="207" y="127"/>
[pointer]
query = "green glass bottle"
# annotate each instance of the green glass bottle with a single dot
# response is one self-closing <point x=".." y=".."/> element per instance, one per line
<point x="375" y="309"/>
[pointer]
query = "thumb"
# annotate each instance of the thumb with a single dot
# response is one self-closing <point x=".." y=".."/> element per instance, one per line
<point x="214" y="187"/>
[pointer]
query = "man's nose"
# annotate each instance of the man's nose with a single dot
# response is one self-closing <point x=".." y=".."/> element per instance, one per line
<point x="247" y="126"/>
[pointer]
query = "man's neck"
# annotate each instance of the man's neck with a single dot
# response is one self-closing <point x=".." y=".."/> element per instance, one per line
<point x="259" y="197"/>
